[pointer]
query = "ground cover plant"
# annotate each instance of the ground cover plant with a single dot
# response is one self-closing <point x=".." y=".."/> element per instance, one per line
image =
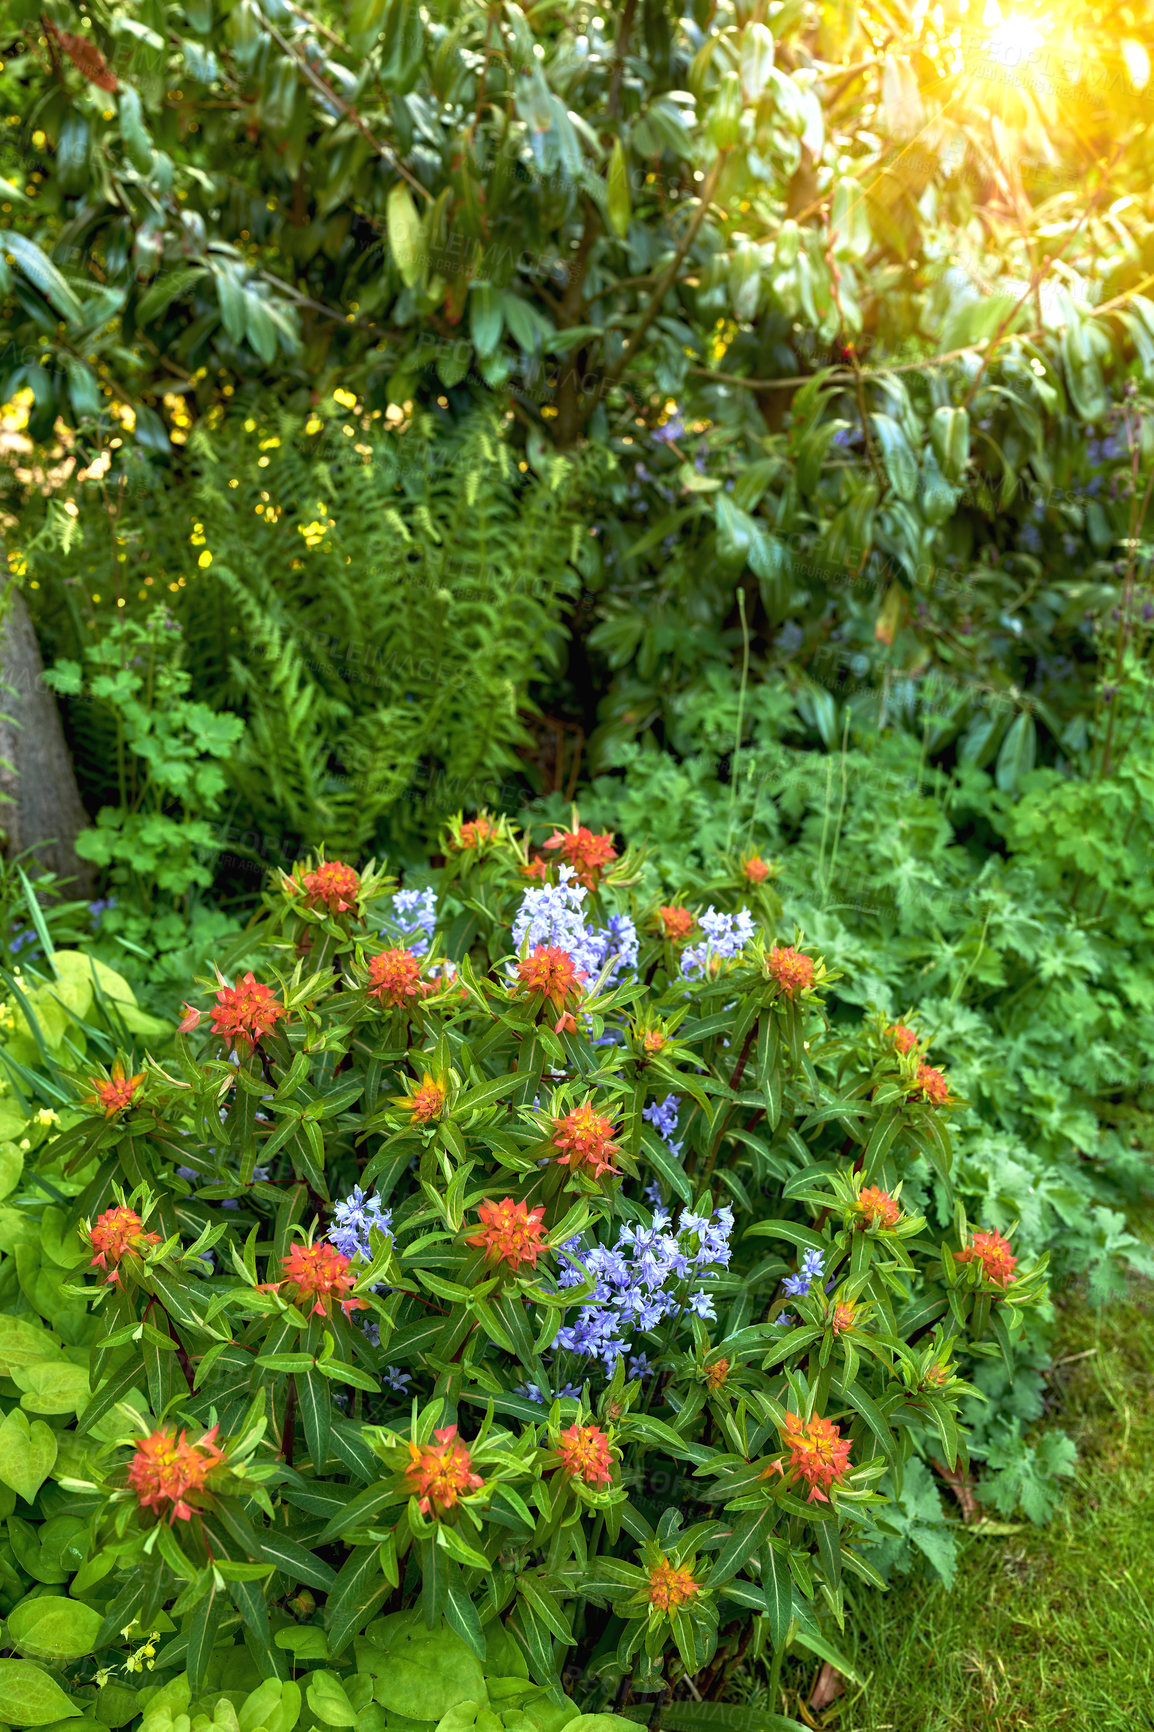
<point x="360" y="1335"/>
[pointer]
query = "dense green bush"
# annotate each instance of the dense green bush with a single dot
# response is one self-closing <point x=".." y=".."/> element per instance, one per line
<point x="404" y="1293"/>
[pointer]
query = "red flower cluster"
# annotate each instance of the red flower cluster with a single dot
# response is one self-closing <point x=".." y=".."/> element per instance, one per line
<point x="678" y="922"/>
<point x="755" y="869"/>
<point x="510" y="1233"/>
<point x="428" y="1102"/>
<point x="167" y="1469"/>
<point x="336" y="885"/>
<point x="716" y="1375"/>
<point x="817" y="1453"/>
<point x="551" y="974"/>
<point x="933" y="1085"/>
<point x="586" y="853"/>
<point x="319" y="1273"/>
<point x="792" y="971"/>
<point x="117" y="1234"/>
<point x="878" y="1208"/>
<point x="993" y="1253"/>
<point x="475" y="832"/>
<point x="584" y="1452"/>
<point x="903" y="1037"/>
<point x="439" y="1472"/>
<point x="245" y="1012"/>
<point x="671" y="1588"/>
<point x="395" y="978"/>
<point x="115" y="1096"/>
<point x="585" y="1139"/>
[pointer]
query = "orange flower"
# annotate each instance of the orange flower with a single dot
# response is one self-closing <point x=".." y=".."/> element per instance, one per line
<point x="536" y="869"/>
<point x="190" y="1020"/>
<point x="475" y="832"/>
<point x="716" y="1375"/>
<point x="319" y="1273"/>
<point x="552" y="974"/>
<point x="903" y="1037"/>
<point x="678" y="922"/>
<point x="584" y="1139"/>
<point x="937" y="1377"/>
<point x="792" y="971"/>
<point x="246" y="1011"/>
<point x="654" y="1040"/>
<point x="438" y="1473"/>
<point x="427" y="1103"/>
<point x="878" y="1208"/>
<point x="844" y="1316"/>
<point x="586" y="853"/>
<point x="671" y="1588"/>
<point x="336" y="885"/>
<point x="115" y="1096"/>
<point x="584" y="1452"/>
<point x="117" y="1234"/>
<point x="993" y="1253"/>
<point x="755" y="869"/>
<point x="510" y="1233"/>
<point x="167" y="1469"/>
<point x="395" y="978"/>
<point x="933" y="1085"/>
<point x="817" y="1453"/>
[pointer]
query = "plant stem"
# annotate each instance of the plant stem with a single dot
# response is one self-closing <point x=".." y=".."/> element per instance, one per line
<point x="740" y="717"/>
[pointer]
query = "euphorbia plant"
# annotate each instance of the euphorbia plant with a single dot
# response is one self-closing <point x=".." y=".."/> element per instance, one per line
<point x="460" y="1217"/>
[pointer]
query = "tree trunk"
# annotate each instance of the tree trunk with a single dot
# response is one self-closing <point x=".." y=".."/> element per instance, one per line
<point x="40" y="805"/>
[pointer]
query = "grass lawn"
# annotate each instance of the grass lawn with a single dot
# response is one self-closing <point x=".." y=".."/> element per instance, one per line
<point x="1049" y="1629"/>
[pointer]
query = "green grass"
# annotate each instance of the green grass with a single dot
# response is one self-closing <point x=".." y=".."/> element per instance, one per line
<point x="1049" y="1629"/>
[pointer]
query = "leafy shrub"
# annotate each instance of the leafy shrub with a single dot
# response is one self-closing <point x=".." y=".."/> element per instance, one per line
<point x="526" y="1268"/>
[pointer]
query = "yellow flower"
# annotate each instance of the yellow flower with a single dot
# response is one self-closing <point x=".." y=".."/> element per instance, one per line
<point x="205" y="559"/>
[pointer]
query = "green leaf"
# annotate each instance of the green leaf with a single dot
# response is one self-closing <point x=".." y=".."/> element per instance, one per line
<point x="406" y="239"/>
<point x="30" y="1697"/>
<point x="27" y="1453"/>
<point x="618" y="200"/>
<point x="53" y="1628"/>
<point x="43" y="274"/>
<point x="777" y="1586"/>
<point x="329" y="1701"/>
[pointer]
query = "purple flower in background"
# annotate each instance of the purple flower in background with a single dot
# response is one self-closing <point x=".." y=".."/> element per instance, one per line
<point x="673" y="429"/>
<point x="555" y="914"/>
<point x="415" y="914"/>
<point x="726" y="935"/>
<point x="662" y="1115"/>
<point x="352" y="1219"/>
<point x="396" y="1378"/>
<point x="812" y="1269"/>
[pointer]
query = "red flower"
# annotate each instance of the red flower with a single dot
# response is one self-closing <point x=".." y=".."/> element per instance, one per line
<point x="475" y="832"/>
<point x="817" y="1453"/>
<point x="584" y="1452"/>
<point x="878" y="1208"/>
<point x="246" y="1011"/>
<point x="552" y="974"/>
<point x="510" y="1233"/>
<point x="319" y="1273"/>
<point x="395" y="978"/>
<point x="438" y="1473"/>
<point x="536" y="869"/>
<point x="190" y="1020"/>
<point x="844" y="1316"/>
<point x="678" y="922"/>
<point x="671" y="1588"/>
<point x="584" y="1139"/>
<point x="336" y="885"/>
<point x="716" y="1375"/>
<point x="586" y="853"/>
<point x="993" y="1253"/>
<point x="933" y="1085"/>
<point x="428" y="1102"/>
<point x="755" y="869"/>
<point x="167" y="1469"/>
<point x="792" y="971"/>
<point x="903" y="1037"/>
<point x="117" y="1234"/>
<point x="115" y="1096"/>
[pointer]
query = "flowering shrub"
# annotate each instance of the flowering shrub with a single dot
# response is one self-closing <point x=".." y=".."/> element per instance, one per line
<point x="379" y="1306"/>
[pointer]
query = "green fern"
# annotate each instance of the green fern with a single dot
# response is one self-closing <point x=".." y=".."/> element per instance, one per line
<point x="392" y="645"/>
